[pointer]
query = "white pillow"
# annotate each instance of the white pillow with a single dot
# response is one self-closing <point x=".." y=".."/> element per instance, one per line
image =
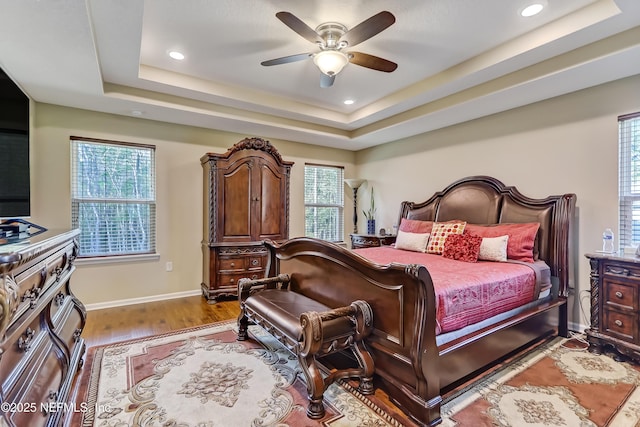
<point x="493" y="248"/>
<point x="416" y="242"/>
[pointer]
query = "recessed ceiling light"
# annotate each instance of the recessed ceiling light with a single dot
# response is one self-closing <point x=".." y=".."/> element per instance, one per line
<point x="532" y="9"/>
<point x="348" y="101"/>
<point x="176" y="55"/>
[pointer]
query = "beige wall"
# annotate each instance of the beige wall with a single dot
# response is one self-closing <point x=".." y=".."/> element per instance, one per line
<point x="179" y="194"/>
<point x="564" y="145"/>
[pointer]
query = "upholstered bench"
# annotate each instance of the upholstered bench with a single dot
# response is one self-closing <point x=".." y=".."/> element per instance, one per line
<point x="309" y="329"/>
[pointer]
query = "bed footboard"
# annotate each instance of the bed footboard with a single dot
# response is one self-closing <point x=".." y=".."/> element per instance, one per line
<point x="403" y="341"/>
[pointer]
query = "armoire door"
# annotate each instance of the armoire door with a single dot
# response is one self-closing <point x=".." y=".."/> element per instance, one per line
<point x="237" y="201"/>
<point x="270" y="203"/>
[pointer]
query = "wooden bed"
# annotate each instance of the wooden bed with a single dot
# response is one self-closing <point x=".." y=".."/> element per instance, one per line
<point x="411" y="365"/>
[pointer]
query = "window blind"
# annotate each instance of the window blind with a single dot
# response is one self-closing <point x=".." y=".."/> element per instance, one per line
<point x="324" y="202"/>
<point x="113" y="197"/>
<point x="629" y="176"/>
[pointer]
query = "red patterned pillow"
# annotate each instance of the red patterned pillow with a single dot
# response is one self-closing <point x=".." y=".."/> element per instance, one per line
<point x="462" y="247"/>
<point x="415" y="226"/>
<point x="439" y="234"/>
<point x="522" y="237"/>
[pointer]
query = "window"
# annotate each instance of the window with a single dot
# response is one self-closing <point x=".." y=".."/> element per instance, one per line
<point x="113" y="197"/>
<point x="324" y="202"/>
<point x="629" y="187"/>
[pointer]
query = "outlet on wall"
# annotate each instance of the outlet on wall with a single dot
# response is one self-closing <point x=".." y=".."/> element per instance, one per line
<point x="169" y="266"/>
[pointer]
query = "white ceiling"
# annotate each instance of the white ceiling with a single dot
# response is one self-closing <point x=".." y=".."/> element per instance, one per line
<point x="457" y="60"/>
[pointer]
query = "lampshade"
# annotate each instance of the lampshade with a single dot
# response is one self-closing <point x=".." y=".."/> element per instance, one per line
<point x="330" y="62"/>
<point x="354" y="183"/>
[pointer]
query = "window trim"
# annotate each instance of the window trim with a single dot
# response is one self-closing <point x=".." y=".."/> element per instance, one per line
<point x="152" y="254"/>
<point x="339" y="187"/>
<point x="626" y="197"/>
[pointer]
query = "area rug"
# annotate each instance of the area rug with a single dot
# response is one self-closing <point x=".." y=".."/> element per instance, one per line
<point x="203" y="377"/>
<point x="558" y="384"/>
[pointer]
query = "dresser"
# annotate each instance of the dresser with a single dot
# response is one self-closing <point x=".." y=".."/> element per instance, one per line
<point x="615" y="304"/>
<point x="371" y="240"/>
<point x="41" y="322"/>
<point x="246" y="201"/>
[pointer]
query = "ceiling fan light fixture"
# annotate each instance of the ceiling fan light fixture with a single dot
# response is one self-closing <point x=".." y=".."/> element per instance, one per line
<point x="330" y="62"/>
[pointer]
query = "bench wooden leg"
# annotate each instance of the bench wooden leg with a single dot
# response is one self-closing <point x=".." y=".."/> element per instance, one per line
<point x="243" y="325"/>
<point x="366" y="363"/>
<point x="315" y="386"/>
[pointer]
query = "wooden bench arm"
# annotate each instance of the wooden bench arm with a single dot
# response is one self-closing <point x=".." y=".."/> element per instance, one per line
<point x="359" y="313"/>
<point x="281" y="281"/>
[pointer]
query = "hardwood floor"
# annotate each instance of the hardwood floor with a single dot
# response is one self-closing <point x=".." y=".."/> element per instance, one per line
<point x="111" y="325"/>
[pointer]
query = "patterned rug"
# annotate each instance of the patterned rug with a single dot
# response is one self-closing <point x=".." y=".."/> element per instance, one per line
<point x="203" y="377"/>
<point x="559" y="384"/>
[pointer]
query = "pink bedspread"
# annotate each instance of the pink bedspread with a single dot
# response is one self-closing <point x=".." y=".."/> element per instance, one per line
<point x="466" y="292"/>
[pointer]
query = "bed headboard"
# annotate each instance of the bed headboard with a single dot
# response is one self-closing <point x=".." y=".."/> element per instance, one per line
<point x="486" y="200"/>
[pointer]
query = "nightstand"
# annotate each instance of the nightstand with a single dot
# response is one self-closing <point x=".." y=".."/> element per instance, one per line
<point x="615" y="308"/>
<point x="371" y="240"/>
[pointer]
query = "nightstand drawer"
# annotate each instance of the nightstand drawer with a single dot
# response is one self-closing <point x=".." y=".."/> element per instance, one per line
<point x="623" y="325"/>
<point x="621" y="295"/>
<point x="618" y="270"/>
<point x="371" y="240"/>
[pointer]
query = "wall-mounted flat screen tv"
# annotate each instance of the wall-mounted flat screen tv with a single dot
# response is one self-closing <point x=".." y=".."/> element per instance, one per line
<point x="14" y="150"/>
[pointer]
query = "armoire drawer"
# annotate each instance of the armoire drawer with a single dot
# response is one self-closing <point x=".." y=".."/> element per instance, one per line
<point x="231" y="279"/>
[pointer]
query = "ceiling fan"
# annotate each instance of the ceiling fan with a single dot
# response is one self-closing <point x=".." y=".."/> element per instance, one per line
<point x="333" y="38"/>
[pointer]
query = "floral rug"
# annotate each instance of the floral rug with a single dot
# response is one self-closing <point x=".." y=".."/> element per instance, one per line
<point x="203" y="377"/>
<point x="559" y="384"/>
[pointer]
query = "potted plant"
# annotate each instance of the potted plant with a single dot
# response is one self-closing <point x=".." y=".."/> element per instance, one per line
<point x="370" y="215"/>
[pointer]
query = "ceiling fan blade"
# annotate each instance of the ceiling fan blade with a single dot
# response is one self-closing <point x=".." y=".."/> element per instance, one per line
<point x="373" y="62"/>
<point x="368" y="28"/>
<point x="326" y="81"/>
<point x="287" y="59"/>
<point x="293" y="22"/>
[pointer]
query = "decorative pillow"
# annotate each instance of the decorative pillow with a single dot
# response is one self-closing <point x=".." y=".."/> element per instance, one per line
<point x="522" y="237"/>
<point x="416" y="242"/>
<point x="440" y="232"/>
<point x="415" y="226"/>
<point x="462" y="247"/>
<point x="493" y="248"/>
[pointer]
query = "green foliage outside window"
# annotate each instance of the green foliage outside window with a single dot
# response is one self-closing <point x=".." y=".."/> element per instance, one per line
<point x="113" y="198"/>
<point x="324" y="202"/>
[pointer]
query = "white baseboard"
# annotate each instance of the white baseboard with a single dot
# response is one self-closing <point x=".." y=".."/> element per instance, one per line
<point x="577" y="327"/>
<point x="141" y="300"/>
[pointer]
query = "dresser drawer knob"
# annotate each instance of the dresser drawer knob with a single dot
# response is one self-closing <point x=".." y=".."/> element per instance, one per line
<point x="618" y="322"/>
<point x="254" y="262"/>
<point x="619" y="294"/>
<point x="233" y="264"/>
<point x="254" y="277"/>
<point x="231" y="280"/>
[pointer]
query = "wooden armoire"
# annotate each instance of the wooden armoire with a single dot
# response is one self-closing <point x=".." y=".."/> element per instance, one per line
<point x="246" y="200"/>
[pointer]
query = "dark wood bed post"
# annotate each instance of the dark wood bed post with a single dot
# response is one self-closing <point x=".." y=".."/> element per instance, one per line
<point x="565" y="255"/>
